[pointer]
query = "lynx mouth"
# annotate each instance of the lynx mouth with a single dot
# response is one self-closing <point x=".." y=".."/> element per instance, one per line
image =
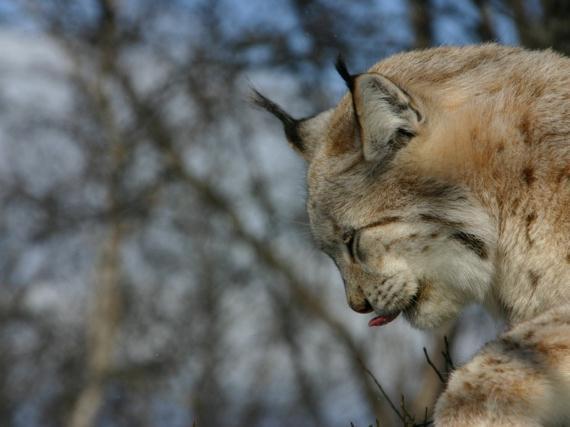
<point x="387" y="317"/>
<point x="383" y="319"/>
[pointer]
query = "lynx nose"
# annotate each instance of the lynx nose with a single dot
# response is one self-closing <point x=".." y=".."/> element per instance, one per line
<point x="362" y="306"/>
<point x="352" y="277"/>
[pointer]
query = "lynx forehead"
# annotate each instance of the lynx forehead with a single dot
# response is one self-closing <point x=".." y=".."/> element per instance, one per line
<point x="442" y="178"/>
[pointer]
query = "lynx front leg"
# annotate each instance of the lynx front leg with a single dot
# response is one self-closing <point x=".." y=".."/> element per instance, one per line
<point x="494" y="390"/>
<point x="521" y="379"/>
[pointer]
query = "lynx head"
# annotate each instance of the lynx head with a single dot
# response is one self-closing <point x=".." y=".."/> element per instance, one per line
<point x="404" y="240"/>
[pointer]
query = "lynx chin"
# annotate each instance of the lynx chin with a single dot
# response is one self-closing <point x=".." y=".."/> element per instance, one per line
<point x="441" y="179"/>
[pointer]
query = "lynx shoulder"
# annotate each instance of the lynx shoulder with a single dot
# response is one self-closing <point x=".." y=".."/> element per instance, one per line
<point x="441" y="179"/>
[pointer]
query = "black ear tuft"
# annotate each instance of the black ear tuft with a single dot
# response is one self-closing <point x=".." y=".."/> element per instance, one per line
<point x="341" y="68"/>
<point x="265" y="103"/>
<point x="290" y="125"/>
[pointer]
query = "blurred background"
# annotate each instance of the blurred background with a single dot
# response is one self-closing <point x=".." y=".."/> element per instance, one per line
<point x="156" y="265"/>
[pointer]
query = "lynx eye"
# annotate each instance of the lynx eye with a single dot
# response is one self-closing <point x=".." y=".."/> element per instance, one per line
<point x="350" y="240"/>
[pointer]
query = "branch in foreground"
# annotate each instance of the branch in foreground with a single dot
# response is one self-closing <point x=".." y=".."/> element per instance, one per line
<point x="400" y="416"/>
<point x="430" y="363"/>
<point x="407" y="419"/>
<point x="449" y="365"/>
<point x="447" y="356"/>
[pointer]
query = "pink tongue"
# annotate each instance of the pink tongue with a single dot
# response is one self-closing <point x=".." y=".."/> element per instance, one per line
<point x="382" y="320"/>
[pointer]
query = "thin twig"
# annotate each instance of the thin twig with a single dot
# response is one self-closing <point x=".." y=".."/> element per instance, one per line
<point x="405" y="417"/>
<point x="409" y="418"/>
<point x="430" y="363"/>
<point x="384" y="393"/>
<point x="447" y="356"/>
<point x="425" y="422"/>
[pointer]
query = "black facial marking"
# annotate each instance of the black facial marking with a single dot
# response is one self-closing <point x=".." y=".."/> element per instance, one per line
<point x="382" y="221"/>
<point x="290" y="124"/>
<point x="434" y="189"/>
<point x="471" y="242"/>
<point x="435" y="219"/>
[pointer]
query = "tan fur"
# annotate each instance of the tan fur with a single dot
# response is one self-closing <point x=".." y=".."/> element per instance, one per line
<point x="521" y="379"/>
<point x="471" y="204"/>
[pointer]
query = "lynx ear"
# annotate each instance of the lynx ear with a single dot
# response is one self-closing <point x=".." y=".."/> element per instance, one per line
<point x="302" y="134"/>
<point x="386" y="115"/>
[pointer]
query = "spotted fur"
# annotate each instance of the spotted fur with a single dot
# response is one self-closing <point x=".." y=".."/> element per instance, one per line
<point x="443" y="179"/>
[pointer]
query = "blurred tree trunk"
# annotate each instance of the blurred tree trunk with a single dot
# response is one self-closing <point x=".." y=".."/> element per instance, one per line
<point x="422" y="23"/>
<point x="106" y="309"/>
<point x="101" y="331"/>
<point x="485" y="28"/>
<point x="105" y="313"/>
<point x="556" y="24"/>
<point x="550" y="28"/>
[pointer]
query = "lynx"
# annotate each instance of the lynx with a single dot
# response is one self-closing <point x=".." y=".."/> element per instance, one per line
<point x="441" y="179"/>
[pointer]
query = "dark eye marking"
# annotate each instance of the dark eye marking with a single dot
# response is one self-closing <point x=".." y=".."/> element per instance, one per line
<point x="441" y="220"/>
<point x="383" y="221"/>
